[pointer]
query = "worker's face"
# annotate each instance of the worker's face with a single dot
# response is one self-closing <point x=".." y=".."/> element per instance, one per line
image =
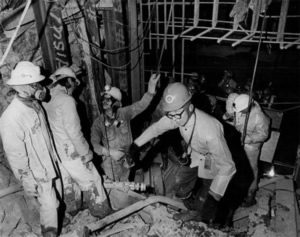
<point x="180" y="116"/>
<point x="73" y="85"/>
<point x="31" y="91"/>
<point x="106" y="101"/>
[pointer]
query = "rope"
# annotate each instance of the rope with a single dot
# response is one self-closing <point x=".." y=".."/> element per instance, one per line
<point x="253" y="79"/>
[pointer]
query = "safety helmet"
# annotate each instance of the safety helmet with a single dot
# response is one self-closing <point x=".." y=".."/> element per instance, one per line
<point x="62" y="73"/>
<point x="175" y="96"/>
<point x="194" y="76"/>
<point x="113" y="92"/>
<point x="25" y="73"/>
<point x="241" y="102"/>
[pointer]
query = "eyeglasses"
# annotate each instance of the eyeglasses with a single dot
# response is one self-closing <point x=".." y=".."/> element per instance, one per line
<point x="106" y="99"/>
<point x="175" y="116"/>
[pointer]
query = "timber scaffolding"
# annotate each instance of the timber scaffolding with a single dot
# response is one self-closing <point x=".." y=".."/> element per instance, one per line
<point x="172" y="20"/>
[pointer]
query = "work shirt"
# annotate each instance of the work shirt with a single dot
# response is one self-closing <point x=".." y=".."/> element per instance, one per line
<point x="209" y="150"/>
<point x="258" y="126"/>
<point x="27" y="142"/>
<point x="117" y="137"/>
<point x="65" y="125"/>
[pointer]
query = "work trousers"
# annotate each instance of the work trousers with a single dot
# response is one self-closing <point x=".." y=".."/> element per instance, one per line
<point x="252" y="153"/>
<point x="48" y="205"/>
<point x="76" y="177"/>
<point x="190" y="188"/>
<point x="115" y="170"/>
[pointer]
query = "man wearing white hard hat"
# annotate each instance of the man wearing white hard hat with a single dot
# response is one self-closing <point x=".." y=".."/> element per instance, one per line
<point x="111" y="132"/>
<point x="28" y="145"/>
<point x="206" y="154"/>
<point x="257" y="132"/>
<point x="72" y="147"/>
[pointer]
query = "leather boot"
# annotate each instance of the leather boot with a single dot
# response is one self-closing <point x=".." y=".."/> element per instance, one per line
<point x="189" y="215"/>
<point x="67" y="220"/>
<point x="250" y="199"/>
<point x="101" y="210"/>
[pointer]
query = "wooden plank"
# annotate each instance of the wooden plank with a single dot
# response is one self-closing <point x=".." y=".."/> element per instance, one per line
<point x="285" y="208"/>
<point x="135" y="82"/>
<point x="62" y="54"/>
<point x="47" y="35"/>
<point x="120" y="14"/>
<point x="83" y="39"/>
<point x="110" y="43"/>
<point x="93" y="30"/>
<point x="141" y="47"/>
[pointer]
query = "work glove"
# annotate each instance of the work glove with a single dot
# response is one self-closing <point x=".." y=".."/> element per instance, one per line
<point x="210" y="208"/>
<point x="31" y="189"/>
<point x="152" y="83"/>
<point x="86" y="160"/>
<point x="132" y="156"/>
<point x="184" y="159"/>
<point x="240" y="10"/>
<point x="105" y="151"/>
<point x="116" y="154"/>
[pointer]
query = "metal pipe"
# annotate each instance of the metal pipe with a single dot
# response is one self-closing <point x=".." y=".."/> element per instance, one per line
<point x="132" y="209"/>
<point x="202" y="33"/>
<point x="224" y="36"/>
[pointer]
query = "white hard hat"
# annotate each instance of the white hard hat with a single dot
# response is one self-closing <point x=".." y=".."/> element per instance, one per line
<point x="25" y="73"/>
<point x="113" y="92"/>
<point x="62" y="73"/>
<point x="241" y="102"/>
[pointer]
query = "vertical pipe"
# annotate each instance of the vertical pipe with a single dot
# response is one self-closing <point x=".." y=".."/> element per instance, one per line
<point x="282" y="22"/>
<point x="135" y="72"/>
<point x="182" y="59"/>
<point x="173" y="43"/>
<point x="150" y="32"/>
<point x="215" y="13"/>
<point x="157" y="25"/>
<point x="165" y="17"/>
<point x="141" y="47"/>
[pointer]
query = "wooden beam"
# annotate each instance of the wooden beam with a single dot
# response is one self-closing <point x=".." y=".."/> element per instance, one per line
<point x="93" y="32"/>
<point x="84" y="41"/>
<point x="121" y="37"/>
<point x="136" y="84"/>
<point x="51" y="32"/>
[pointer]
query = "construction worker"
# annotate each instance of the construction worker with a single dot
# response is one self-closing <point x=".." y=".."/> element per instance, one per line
<point x="27" y="143"/>
<point x="111" y="131"/>
<point x="206" y="148"/>
<point x="73" y="149"/>
<point x="258" y="131"/>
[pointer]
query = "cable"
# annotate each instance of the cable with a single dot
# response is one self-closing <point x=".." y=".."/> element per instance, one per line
<point x="122" y="67"/>
<point x="252" y="82"/>
<point x="165" y="40"/>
